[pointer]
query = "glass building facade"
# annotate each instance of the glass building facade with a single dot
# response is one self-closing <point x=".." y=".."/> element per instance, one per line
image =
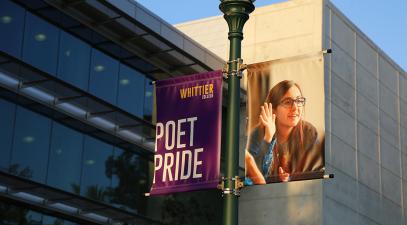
<point x="39" y="148"/>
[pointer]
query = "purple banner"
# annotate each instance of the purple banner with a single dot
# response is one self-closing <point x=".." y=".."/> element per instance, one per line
<point x="187" y="150"/>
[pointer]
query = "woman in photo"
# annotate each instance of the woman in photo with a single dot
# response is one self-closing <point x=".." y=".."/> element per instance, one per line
<point x="283" y="146"/>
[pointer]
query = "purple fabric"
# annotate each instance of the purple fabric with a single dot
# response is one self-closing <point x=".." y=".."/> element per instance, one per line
<point x="188" y="133"/>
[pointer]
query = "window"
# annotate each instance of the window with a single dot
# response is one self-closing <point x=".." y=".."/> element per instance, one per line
<point x="31" y="144"/>
<point x="32" y="217"/>
<point x="95" y="183"/>
<point x="50" y="220"/>
<point x="64" y="169"/>
<point x="6" y="132"/>
<point x="148" y="99"/>
<point x="103" y="76"/>
<point x="11" y="28"/>
<point x="40" y="44"/>
<point x="74" y="60"/>
<point x="131" y="91"/>
<point x="15" y="215"/>
<point x="129" y="180"/>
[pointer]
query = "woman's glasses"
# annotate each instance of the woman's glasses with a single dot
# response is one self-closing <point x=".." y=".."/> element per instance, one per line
<point x="289" y="102"/>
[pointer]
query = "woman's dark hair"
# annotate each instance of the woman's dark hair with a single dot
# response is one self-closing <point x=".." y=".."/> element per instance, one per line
<point x="276" y="94"/>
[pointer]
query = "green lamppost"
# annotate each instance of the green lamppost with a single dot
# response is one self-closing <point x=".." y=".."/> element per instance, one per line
<point x="236" y="13"/>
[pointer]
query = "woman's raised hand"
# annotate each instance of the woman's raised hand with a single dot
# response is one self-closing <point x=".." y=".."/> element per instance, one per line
<point x="268" y="119"/>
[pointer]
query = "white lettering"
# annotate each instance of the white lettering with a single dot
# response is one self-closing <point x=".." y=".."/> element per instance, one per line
<point x="157" y="159"/>
<point x="176" y="166"/>
<point x="191" y="135"/>
<point x="188" y="171"/>
<point x="168" y="162"/>
<point x="159" y="133"/>
<point x="170" y="125"/>
<point x="180" y="133"/>
<point x="197" y="163"/>
<point x="182" y="164"/>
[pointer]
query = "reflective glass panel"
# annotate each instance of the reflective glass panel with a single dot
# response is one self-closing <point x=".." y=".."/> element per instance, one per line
<point x="30" y="146"/>
<point x="74" y="60"/>
<point x="131" y="91"/>
<point x="16" y="215"/>
<point x="148" y="99"/>
<point x="64" y="169"/>
<point x="7" y="110"/>
<point x="103" y="76"/>
<point x="95" y="183"/>
<point x="50" y="220"/>
<point x="129" y="180"/>
<point x="198" y="208"/>
<point x="40" y="44"/>
<point x="33" y="217"/>
<point x="11" y="28"/>
<point x="11" y="214"/>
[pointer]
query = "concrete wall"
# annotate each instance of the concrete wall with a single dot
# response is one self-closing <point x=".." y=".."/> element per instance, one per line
<point x="366" y="122"/>
<point x="367" y="109"/>
<point x="273" y="32"/>
<point x="283" y="203"/>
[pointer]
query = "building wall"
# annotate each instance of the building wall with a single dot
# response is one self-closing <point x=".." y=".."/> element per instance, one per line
<point x="267" y="38"/>
<point x="366" y="107"/>
<point x="36" y="146"/>
<point x="366" y="129"/>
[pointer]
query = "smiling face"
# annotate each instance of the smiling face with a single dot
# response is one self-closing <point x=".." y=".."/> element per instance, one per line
<point x="288" y="115"/>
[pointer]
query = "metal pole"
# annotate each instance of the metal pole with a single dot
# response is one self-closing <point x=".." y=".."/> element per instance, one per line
<point x="236" y="13"/>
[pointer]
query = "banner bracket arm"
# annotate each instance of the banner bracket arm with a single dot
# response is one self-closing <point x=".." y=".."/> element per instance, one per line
<point x="237" y="185"/>
<point x="237" y="72"/>
<point x="327" y="51"/>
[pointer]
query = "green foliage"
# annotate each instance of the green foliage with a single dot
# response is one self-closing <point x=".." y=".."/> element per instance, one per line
<point x="196" y="208"/>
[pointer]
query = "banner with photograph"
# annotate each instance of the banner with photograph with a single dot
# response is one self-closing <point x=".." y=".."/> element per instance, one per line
<point x="286" y="120"/>
<point x="188" y="132"/>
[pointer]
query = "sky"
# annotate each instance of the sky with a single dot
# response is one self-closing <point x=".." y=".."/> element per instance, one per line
<point x="384" y="22"/>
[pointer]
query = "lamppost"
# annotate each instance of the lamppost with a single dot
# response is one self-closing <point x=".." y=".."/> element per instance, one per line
<point x="236" y="13"/>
